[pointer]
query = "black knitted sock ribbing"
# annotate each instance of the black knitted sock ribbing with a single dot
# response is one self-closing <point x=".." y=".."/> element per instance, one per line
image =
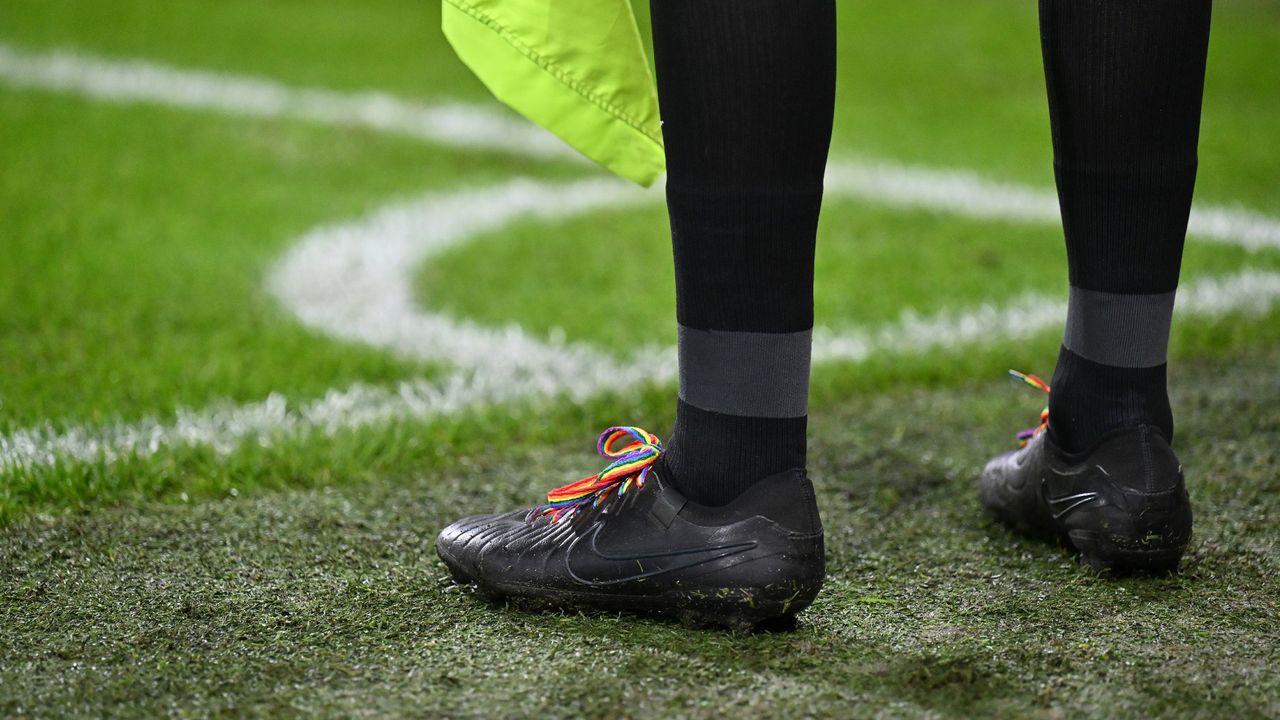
<point x="747" y="90"/>
<point x="1125" y="80"/>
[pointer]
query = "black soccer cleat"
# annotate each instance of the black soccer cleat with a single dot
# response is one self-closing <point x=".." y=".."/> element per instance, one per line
<point x="625" y="539"/>
<point x="1123" y="504"/>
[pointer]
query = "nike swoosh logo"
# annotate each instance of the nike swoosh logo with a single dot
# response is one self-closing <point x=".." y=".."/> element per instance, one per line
<point x="1071" y="502"/>
<point x="1014" y="476"/>
<point x="681" y="558"/>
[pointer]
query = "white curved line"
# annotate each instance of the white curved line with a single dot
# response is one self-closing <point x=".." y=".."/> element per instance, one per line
<point x="353" y="280"/>
<point x="226" y="428"/>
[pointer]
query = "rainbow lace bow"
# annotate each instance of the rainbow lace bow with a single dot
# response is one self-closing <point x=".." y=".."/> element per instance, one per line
<point x="633" y="451"/>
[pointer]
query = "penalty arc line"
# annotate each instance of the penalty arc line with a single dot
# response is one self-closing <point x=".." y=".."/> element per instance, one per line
<point x="226" y="428"/>
<point x="354" y="281"/>
<point x="351" y="280"/>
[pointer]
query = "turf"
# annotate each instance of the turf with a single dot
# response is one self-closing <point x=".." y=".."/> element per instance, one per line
<point x="388" y="44"/>
<point x="171" y="310"/>
<point x="330" y="602"/>
<point x="293" y="573"/>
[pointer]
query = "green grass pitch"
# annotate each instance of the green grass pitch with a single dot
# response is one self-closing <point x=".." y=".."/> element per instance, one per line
<point x="290" y="570"/>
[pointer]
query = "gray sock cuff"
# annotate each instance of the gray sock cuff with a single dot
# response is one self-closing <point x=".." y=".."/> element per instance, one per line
<point x="746" y="373"/>
<point x="1119" y="330"/>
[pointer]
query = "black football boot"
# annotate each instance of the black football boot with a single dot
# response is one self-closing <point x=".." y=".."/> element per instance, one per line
<point x="628" y="540"/>
<point x="1123" y="504"/>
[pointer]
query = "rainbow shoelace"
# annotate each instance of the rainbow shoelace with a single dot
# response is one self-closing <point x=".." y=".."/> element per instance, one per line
<point x="1024" y="436"/>
<point x="633" y="451"/>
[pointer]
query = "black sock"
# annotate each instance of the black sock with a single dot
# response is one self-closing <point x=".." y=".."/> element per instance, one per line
<point x="747" y="90"/>
<point x="1125" y="80"/>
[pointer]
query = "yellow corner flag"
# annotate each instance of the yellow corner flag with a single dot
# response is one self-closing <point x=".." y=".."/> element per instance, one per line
<point x="575" y="67"/>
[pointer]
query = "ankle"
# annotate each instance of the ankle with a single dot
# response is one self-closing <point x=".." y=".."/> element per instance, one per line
<point x="712" y="458"/>
<point x="1084" y="410"/>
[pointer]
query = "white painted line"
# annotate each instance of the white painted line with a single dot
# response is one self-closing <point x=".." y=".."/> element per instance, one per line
<point x="479" y="126"/>
<point x="354" y="280"/>
<point x="1249" y="292"/>
<point x="226" y="428"/>
<point x="968" y="194"/>
<point x="955" y="192"/>
<point x="1234" y="226"/>
<point x="138" y="81"/>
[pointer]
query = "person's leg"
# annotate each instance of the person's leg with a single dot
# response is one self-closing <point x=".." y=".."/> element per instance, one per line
<point x="747" y="89"/>
<point x="722" y="526"/>
<point x="1125" y="80"/>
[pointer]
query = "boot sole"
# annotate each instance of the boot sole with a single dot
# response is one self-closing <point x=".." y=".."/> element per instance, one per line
<point x="740" y="610"/>
<point x="1152" y="544"/>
